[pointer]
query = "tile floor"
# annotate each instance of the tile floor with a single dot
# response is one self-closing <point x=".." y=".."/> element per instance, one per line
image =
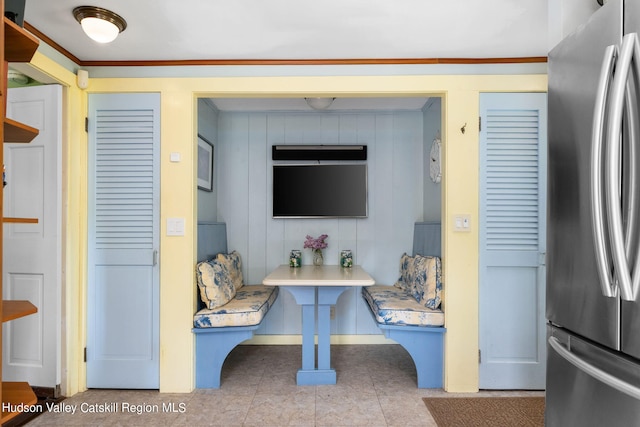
<point x="376" y="387"/>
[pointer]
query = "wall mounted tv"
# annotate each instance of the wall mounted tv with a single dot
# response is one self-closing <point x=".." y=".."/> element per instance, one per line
<point x="320" y="191"/>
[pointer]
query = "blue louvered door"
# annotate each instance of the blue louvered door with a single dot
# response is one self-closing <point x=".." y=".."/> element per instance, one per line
<point x="123" y="292"/>
<point x="513" y="141"/>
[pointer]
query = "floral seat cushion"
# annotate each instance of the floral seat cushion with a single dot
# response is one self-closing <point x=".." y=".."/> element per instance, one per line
<point x="219" y="279"/>
<point x="391" y="305"/>
<point x="215" y="284"/>
<point x="421" y="276"/>
<point x="233" y="264"/>
<point x="249" y="306"/>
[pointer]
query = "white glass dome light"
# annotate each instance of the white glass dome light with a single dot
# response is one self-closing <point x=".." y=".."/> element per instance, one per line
<point x="319" y="103"/>
<point x="100" y="30"/>
<point x="99" y="24"/>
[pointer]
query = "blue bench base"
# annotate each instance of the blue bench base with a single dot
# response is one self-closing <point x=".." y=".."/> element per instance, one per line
<point x="213" y="345"/>
<point x="425" y="345"/>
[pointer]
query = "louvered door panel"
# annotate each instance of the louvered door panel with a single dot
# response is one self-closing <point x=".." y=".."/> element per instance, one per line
<point x="512" y="240"/>
<point x="512" y="180"/>
<point x="124" y="179"/>
<point x="123" y="294"/>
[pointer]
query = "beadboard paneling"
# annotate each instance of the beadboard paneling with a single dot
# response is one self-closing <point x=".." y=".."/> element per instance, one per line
<point x="395" y="197"/>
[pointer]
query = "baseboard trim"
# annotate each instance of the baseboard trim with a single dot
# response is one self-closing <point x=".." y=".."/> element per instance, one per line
<point x="335" y="339"/>
<point x="47" y="392"/>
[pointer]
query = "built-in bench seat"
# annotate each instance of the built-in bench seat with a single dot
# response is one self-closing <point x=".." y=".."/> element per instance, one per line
<point x="249" y="306"/>
<point x="410" y="312"/>
<point x="393" y="306"/>
<point x="231" y="311"/>
<point x="220" y="330"/>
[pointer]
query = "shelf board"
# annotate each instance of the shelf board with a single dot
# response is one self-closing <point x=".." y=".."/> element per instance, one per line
<point x="18" y="132"/>
<point x="12" y="220"/>
<point x="15" y="309"/>
<point x="19" y="44"/>
<point x="15" y="393"/>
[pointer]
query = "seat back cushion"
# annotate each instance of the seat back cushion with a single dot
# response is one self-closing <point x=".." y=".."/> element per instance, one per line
<point x="405" y="280"/>
<point x="215" y="283"/>
<point x="427" y="280"/>
<point x="233" y="263"/>
<point x="421" y="277"/>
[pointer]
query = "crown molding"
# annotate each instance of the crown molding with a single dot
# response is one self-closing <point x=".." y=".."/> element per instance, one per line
<point x="249" y="62"/>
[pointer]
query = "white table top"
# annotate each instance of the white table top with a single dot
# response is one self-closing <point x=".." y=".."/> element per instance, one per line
<point x="325" y="275"/>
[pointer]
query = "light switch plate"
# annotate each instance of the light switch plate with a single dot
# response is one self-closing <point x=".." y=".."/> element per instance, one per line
<point x="175" y="226"/>
<point x="462" y="223"/>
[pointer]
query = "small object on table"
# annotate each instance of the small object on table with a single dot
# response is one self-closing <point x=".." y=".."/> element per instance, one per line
<point x="295" y="258"/>
<point x="346" y="258"/>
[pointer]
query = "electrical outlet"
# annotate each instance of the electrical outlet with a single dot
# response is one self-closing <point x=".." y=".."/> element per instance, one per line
<point x="332" y="312"/>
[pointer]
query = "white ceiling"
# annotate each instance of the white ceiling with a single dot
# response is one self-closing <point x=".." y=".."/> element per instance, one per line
<point x="162" y="30"/>
<point x="303" y="29"/>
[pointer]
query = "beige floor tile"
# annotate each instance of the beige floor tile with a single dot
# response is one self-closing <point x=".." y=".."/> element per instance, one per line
<point x="215" y="409"/>
<point x="376" y="387"/>
<point x="296" y="408"/>
<point x="348" y="408"/>
<point x="405" y="410"/>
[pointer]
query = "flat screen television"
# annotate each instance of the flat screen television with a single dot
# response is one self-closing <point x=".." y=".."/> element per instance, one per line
<point x="320" y="191"/>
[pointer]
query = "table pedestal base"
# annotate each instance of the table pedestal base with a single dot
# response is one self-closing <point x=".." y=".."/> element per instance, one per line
<point x="316" y="377"/>
<point x="310" y="298"/>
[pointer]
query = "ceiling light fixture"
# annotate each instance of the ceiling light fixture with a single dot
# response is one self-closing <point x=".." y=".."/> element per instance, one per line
<point x="99" y="24"/>
<point x="319" y="103"/>
<point x="16" y="78"/>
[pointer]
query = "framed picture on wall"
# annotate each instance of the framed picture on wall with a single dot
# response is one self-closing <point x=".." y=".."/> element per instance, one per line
<point x="205" y="164"/>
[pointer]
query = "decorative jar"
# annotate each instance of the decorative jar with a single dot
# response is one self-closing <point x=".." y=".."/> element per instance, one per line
<point x="318" y="259"/>
<point x="295" y="258"/>
<point x="346" y="258"/>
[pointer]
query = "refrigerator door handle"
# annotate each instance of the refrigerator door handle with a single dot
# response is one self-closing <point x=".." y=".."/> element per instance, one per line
<point x="633" y="220"/>
<point x="612" y="168"/>
<point x="593" y="371"/>
<point x="603" y="259"/>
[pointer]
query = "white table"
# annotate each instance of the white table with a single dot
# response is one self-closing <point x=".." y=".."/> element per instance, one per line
<point x="317" y="288"/>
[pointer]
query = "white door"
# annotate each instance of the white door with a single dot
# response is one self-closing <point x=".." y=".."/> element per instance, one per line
<point x="513" y="152"/>
<point x="32" y="252"/>
<point x="123" y="330"/>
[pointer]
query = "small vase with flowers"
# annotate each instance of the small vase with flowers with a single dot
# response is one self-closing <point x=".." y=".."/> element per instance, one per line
<point x="316" y="245"/>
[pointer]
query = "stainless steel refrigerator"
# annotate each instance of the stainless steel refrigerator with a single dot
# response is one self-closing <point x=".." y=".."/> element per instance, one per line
<point x="593" y="256"/>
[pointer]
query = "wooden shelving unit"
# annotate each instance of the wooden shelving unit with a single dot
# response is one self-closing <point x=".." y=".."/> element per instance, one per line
<point x="16" y="393"/>
<point x="18" y="132"/>
<point x="15" y="309"/>
<point x="16" y="45"/>
<point x="12" y="220"/>
<point x="19" y="45"/>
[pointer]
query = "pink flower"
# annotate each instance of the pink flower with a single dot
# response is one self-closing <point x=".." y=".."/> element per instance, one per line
<point x="318" y="243"/>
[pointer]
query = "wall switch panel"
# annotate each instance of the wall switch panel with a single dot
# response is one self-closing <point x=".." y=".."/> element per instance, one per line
<point x="175" y="226"/>
<point x="462" y="223"/>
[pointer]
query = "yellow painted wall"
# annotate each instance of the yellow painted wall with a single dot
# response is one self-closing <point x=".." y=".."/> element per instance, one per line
<point x="74" y="225"/>
<point x="178" y="199"/>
